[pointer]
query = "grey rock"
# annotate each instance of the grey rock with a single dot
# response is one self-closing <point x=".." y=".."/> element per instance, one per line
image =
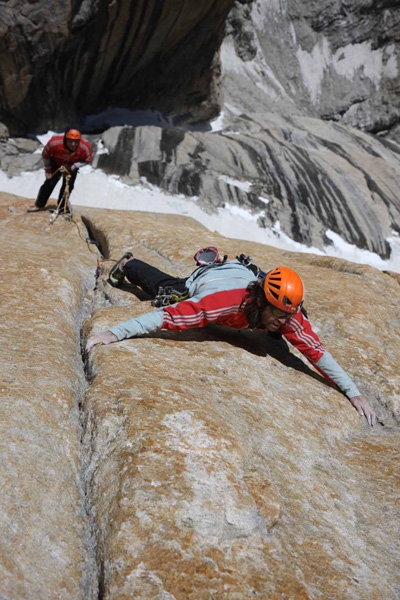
<point x="24" y="145"/>
<point x="4" y="132"/>
<point x="333" y="60"/>
<point x="15" y="165"/>
<point x="307" y="175"/>
<point x="18" y="155"/>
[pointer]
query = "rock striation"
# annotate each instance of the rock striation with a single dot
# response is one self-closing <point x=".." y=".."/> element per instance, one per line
<point x="302" y="176"/>
<point x="209" y="462"/>
<point x="334" y="60"/>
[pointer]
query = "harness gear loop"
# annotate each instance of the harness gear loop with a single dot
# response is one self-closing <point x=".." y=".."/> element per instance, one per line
<point x="168" y="295"/>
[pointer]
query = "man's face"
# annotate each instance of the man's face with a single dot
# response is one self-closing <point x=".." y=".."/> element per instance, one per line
<point x="273" y="318"/>
<point x="71" y="144"/>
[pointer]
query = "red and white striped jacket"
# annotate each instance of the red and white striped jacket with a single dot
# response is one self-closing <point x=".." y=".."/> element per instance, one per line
<point x="222" y="308"/>
<point x="216" y="298"/>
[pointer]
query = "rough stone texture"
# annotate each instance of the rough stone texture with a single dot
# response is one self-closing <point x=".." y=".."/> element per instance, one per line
<point x="212" y="463"/>
<point x="19" y="154"/>
<point x="219" y="464"/>
<point x="62" y="61"/>
<point x="308" y="175"/>
<point x="4" y="132"/>
<point x="45" y="538"/>
<point x="333" y="59"/>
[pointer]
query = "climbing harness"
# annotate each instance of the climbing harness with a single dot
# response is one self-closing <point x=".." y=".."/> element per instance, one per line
<point x="206" y="258"/>
<point x="64" y="201"/>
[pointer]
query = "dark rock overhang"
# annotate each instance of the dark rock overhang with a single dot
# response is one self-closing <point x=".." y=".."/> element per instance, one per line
<point x="58" y="66"/>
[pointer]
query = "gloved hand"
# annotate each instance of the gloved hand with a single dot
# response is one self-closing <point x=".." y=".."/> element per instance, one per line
<point x="76" y="166"/>
<point x="363" y="408"/>
<point x="105" y="337"/>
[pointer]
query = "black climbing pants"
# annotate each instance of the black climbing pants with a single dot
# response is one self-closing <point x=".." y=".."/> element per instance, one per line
<point x="151" y="279"/>
<point x="49" y="185"/>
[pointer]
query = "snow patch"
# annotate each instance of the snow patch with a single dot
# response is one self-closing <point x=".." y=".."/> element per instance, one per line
<point x="376" y="64"/>
<point x="242" y="185"/>
<point x="95" y="189"/>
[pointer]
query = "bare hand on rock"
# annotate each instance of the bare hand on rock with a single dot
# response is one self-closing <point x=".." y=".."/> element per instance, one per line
<point x="105" y="337"/>
<point x="363" y="408"/>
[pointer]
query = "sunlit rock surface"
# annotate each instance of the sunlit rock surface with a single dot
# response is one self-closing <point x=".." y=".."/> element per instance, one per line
<point x="45" y="273"/>
<point x="212" y="462"/>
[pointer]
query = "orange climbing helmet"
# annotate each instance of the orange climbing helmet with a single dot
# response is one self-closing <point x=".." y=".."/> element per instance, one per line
<point x="284" y="289"/>
<point x="72" y="134"/>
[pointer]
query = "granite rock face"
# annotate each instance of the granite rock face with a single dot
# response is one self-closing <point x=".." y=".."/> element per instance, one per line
<point x="207" y="462"/>
<point x="303" y="176"/>
<point x="64" y="61"/>
<point x="18" y="155"/>
<point x="334" y="60"/>
<point x="219" y="463"/>
<point x="45" y="532"/>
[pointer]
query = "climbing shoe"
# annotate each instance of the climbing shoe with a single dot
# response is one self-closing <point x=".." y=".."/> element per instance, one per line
<point x="116" y="276"/>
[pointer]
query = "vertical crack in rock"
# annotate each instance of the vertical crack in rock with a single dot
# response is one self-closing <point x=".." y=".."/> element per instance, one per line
<point x="96" y="237"/>
<point x="92" y="579"/>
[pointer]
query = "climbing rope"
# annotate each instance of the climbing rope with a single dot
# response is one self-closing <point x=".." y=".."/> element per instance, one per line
<point x="64" y="201"/>
<point x="67" y="213"/>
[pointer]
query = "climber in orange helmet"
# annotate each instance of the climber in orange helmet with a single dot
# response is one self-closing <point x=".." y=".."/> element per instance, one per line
<point x="70" y="152"/>
<point x="234" y="294"/>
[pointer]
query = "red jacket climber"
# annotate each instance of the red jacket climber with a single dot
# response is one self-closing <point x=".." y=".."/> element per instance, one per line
<point x="62" y="156"/>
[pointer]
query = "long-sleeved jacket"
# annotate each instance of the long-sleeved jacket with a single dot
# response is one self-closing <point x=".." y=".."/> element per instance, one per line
<point x="216" y="297"/>
<point x="56" y="151"/>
